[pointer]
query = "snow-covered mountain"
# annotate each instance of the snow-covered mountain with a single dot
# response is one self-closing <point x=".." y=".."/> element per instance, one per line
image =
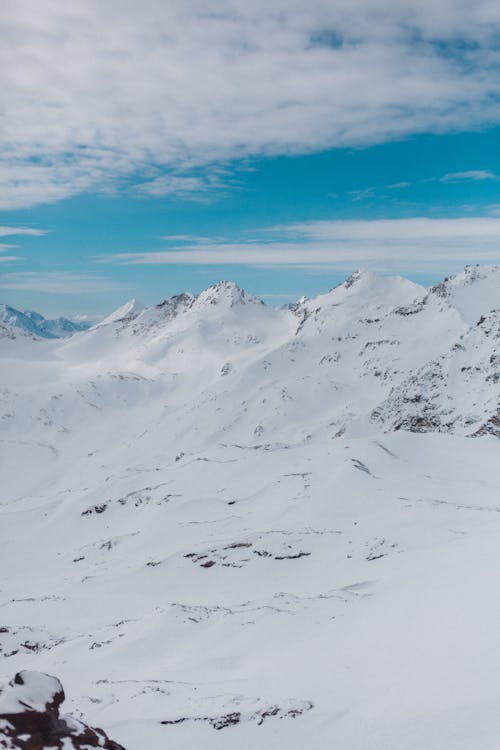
<point x="126" y="312"/>
<point x="278" y="524"/>
<point x="31" y="324"/>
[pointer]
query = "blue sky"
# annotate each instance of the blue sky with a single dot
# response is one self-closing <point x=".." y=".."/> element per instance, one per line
<point x="147" y="153"/>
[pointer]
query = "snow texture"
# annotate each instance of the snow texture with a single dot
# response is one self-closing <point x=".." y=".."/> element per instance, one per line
<point x="228" y="525"/>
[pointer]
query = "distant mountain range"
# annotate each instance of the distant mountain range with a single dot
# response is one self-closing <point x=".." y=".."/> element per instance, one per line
<point x="31" y="323"/>
<point x="382" y="349"/>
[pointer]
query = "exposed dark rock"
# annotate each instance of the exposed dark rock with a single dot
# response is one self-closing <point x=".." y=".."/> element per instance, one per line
<point x="353" y="278"/>
<point x="236" y="717"/>
<point x="412" y="309"/>
<point x="95" y="509"/>
<point x="228" y="720"/>
<point x="292" y="557"/>
<point x="491" y="427"/>
<point x="30" y="720"/>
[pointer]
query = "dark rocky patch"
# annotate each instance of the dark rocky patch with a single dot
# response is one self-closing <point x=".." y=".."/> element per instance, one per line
<point x="490" y="427"/>
<point x="94" y="509"/>
<point x="292" y="557"/>
<point x="30" y="720"/>
<point x="236" y="717"/>
<point x="361" y="466"/>
<point x="413" y="309"/>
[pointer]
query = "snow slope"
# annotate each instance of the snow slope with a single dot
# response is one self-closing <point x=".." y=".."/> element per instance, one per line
<point x="224" y="524"/>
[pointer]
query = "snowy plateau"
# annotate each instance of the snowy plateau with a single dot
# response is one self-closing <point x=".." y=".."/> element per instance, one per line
<point x="227" y="525"/>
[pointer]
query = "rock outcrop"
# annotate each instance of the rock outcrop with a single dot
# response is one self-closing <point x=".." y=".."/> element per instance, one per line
<point x="30" y="720"/>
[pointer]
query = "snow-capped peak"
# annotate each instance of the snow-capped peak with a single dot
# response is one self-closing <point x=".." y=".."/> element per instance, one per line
<point x="128" y="311"/>
<point x="363" y="294"/>
<point x="226" y="293"/>
<point x="13" y="318"/>
<point x="176" y="304"/>
<point x="473" y="292"/>
<point x="357" y="275"/>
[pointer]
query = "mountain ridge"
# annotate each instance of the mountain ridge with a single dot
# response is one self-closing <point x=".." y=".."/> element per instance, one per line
<point x="32" y="323"/>
<point x="394" y="349"/>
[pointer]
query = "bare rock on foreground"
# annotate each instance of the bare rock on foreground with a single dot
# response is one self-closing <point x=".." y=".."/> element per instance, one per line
<point x="30" y="720"/>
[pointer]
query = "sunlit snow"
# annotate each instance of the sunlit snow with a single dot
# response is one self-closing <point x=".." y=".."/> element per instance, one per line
<point x="227" y="525"/>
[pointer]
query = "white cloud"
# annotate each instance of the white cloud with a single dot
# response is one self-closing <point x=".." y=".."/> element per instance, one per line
<point x="363" y="194"/>
<point x="399" y="185"/>
<point x="190" y="238"/>
<point x="12" y="231"/>
<point x="402" y="245"/>
<point x="9" y="231"/>
<point x="414" y="230"/>
<point x="58" y="282"/>
<point x="99" y="91"/>
<point x="472" y="174"/>
<point x="187" y="187"/>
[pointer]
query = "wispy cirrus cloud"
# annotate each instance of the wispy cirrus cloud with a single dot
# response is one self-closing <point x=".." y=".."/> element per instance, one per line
<point x="387" y="231"/>
<point x="99" y="93"/>
<point x="476" y="175"/>
<point x="404" y="245"/>
<point x="11" y="231"/>
<point x="362" y="194"/>
<point x="470" y="175"/>
<point x="15" y="231"/>
<point x="399" y="185"/>
<point x="189" y="187"/>
<point x="191" y="238"/>
<point x="59" y="282"/>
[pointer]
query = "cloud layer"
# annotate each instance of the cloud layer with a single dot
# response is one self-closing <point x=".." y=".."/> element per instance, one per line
<point x="418" y="245"/>
<point x="102" y="95"/>
<point x="59" y="282"/>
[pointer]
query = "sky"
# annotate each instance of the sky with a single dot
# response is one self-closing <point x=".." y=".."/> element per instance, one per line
<point x="151" y="147"/>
